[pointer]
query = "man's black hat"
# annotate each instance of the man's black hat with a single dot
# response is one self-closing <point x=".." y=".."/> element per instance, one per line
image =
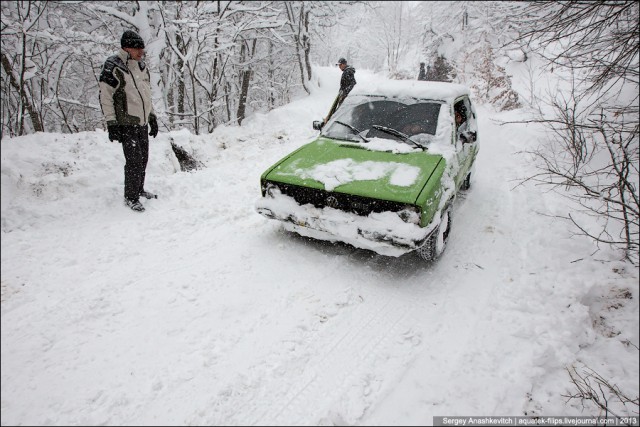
<point x="131" y="39"/>
<point x="342" y="61"/>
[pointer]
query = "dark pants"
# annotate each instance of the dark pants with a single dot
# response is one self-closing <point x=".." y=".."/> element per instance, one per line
<point x="135" y="144"/>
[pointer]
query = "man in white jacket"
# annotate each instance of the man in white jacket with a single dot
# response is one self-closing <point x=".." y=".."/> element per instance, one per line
<point x="125" y="98"/>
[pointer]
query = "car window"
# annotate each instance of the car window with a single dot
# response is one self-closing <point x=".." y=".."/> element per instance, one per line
<point x="409" y="116"/>
<point x="464" y="117"/>
<point x="460" y="113"/>
<point x="471" y="116"/>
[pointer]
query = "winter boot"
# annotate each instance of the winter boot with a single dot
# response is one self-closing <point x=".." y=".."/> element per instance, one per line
<point x="134" y="205"/>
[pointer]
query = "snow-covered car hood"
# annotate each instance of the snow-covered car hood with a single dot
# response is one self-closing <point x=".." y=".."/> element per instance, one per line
<point x="354" y="168"/>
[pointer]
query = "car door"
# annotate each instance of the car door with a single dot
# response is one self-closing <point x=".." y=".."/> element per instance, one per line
<point x="470" y="148"/>
<point x="466" y="131"/>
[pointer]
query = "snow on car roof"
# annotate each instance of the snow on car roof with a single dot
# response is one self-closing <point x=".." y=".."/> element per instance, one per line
<point x="412" y="88"/>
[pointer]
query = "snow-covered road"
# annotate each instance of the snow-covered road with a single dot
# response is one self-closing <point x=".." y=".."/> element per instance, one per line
<point x="200" y="311"/>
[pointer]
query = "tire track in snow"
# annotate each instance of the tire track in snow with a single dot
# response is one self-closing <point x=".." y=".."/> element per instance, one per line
<point x="345" y="364"/>
<point x="341" y="366"/>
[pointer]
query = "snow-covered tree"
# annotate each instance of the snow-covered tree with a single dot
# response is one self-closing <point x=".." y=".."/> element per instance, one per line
<point x="441" y="70"/>
<point x="20" y="48"/>
<point x="470" y="36"/>
<point x="491" y="82"/>
<point x="210" y="62"/>
<point x="594" y="47"/>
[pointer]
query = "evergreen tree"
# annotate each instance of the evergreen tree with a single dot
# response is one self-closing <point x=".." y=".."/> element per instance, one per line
<point x="441" y="71"/>
<point x="491" y="82"/>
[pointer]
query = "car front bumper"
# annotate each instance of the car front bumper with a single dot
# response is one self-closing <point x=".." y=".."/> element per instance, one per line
<point x="384" y="232"/>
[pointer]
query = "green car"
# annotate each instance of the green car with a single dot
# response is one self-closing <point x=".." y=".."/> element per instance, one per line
<point x="383" y="173"/>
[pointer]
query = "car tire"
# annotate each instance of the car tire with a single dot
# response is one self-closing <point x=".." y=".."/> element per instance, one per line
<point x="436" y="243"/>
<point x="466" y="184"/>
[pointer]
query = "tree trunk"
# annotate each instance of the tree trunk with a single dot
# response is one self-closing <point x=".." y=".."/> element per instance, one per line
<point x="33" y="114"/>
<point x="214" y="89"/>
<point x="181" y="85"/>
<point x="270" y="77"/>
<point x="296" y="38"/>
<point x="170" y="101"/>
<point x="246" y="79"/>
<point x="306" y="45"/>
<point x="196" y="117"/>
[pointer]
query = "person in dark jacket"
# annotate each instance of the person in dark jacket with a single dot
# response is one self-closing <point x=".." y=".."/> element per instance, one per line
<point x="422" y="75"/>
<point x="125" y="98"/>
<point x="347" y="82"/>
<point x="348" y="79"/>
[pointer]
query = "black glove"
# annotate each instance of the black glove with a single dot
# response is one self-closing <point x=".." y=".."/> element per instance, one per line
<point x="153" y="123"/>
<point x="114" y="132"/>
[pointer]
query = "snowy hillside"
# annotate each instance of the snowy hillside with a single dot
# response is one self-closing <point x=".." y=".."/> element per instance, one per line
<point x="199" y="311"/>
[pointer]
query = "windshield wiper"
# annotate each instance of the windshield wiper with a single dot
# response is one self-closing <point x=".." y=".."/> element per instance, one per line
<point x="394" y="132"/>
<point x="353" y="129"/>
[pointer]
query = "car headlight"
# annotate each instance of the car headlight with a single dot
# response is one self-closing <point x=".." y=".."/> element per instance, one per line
<point x="268" y="188"/>
<point x="410" y="214"/>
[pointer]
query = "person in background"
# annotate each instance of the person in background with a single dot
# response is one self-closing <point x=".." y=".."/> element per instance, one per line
<point x="348" y="79"/>
<point x="125" y="98"/>
<point x="347" y="82"/>
<point x="422" y="74"/>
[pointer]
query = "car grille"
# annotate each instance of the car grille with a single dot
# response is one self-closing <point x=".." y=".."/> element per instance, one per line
<point x="345" y="202"/>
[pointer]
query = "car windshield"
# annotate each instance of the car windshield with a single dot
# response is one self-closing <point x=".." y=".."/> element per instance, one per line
<point x="381" y="117"/>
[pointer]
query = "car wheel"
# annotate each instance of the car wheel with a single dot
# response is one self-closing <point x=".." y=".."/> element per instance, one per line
<point x="434" y="246"/>
<point x="466" y="184"/>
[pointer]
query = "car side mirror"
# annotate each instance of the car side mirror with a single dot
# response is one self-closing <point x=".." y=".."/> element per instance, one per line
<point x="318" y="124"/>
<point x="468" y="137"/>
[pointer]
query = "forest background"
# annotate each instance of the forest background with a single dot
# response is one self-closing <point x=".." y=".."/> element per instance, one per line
<point x="214" y="63"/>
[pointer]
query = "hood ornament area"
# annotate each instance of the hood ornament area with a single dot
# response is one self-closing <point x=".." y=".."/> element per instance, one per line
<point x="332" y="202"/>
